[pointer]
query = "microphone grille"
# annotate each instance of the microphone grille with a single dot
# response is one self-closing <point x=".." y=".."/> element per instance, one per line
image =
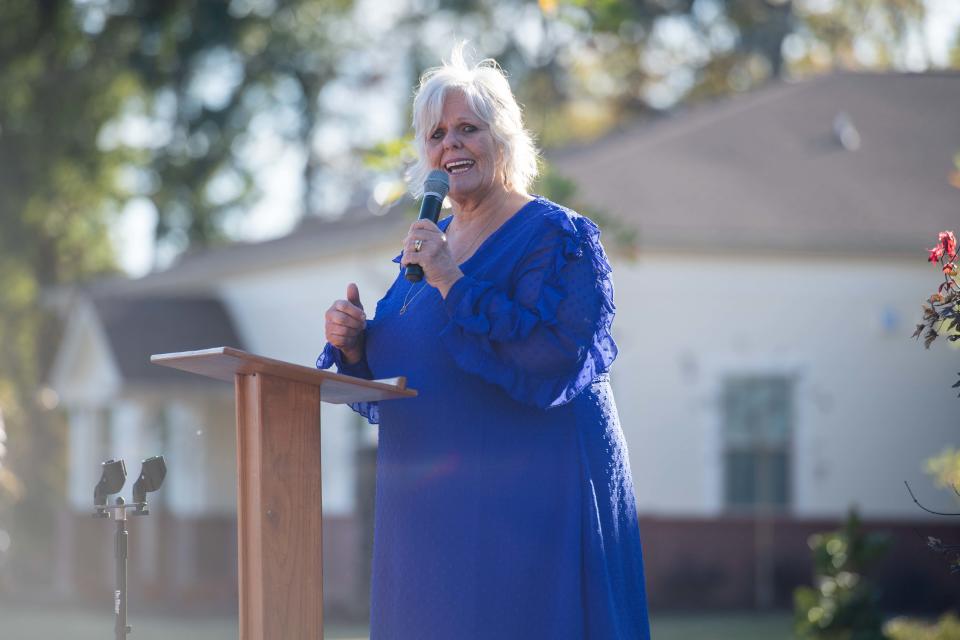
<point x="437" y="182"/>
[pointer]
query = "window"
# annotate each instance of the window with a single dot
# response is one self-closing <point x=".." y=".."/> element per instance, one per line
<point x="757" y="427"/>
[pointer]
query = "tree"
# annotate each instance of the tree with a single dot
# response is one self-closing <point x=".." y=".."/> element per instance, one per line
<point x="703" y="49"/>
<point x="57" y="195"/>
<point x="80" y="82"/>
<point x="212" y="75"/>
<point x="584" y="67"/>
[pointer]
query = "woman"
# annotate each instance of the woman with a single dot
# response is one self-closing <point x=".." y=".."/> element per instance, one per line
<point x="504" y="506"/>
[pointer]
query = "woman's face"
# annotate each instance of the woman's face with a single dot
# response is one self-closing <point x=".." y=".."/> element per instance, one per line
<point x="463" y="146"/>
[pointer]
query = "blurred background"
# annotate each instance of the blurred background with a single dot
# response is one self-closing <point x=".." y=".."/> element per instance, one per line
<point x="768" y="175"/>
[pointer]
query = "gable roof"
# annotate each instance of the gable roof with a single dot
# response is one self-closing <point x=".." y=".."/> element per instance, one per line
<point x="138" y="327"/>
<point x="179" y="309"/>
<point x="84" y="369"/>
<point x="766" y="170"/>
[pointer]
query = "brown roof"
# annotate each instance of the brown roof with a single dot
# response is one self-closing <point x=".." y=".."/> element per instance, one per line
<point x="178" y="309"/>
<point x="138" y="327"/>
<point x="766" y="171"/>
<point x="202" y="271"/>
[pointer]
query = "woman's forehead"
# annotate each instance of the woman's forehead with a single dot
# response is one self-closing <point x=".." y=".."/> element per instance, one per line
<point x="455" y="100"/>
<point x="456" y="106"/>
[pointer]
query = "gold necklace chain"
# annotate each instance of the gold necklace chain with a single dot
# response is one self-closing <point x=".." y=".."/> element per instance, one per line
<point x="407" y="300"/>
<point x="475" y="239"/>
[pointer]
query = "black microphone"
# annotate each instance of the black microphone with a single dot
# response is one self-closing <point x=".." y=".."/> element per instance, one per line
<point x="435" y="189"/>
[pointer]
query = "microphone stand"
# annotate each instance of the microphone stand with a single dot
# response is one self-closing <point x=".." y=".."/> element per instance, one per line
<point x="120" y="627"/>
<point x="114" y="474"/>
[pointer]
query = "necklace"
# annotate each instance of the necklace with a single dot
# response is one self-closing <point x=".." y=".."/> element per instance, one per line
<point x="408" y="299"/>
<point x="475" y="239"/>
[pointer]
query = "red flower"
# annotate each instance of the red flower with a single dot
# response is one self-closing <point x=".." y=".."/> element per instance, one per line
<point x="950" y="269"/>
<point x="936" y="253"/>
<point x="949" y="243"/>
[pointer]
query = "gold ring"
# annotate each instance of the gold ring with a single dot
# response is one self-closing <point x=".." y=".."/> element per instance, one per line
<point x="418" y="245"/>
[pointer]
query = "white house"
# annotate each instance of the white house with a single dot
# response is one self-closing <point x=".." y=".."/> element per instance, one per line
<point x="764" y="326"/>
<point x="766" y="379"/>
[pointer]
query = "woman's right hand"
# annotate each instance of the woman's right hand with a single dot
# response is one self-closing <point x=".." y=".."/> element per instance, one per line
<point x="345" y="324"/>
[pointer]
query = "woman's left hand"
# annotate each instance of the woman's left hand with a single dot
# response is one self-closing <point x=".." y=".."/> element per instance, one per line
<point x="439" y="267"/>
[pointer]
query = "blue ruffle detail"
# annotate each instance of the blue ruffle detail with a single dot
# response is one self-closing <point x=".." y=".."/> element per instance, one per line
<point x="582" y="235"/>
<point x="469" y="300"/>
<point x="331" y="356"/>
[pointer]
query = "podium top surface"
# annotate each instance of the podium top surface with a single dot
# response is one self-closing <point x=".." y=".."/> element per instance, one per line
<point x="224" y="363"/>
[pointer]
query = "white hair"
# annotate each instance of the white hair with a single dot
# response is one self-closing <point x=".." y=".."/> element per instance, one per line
<point x="488" y="93"/>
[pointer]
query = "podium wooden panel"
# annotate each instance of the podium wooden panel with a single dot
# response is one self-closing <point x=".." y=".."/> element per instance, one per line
<point x="279" y="523"/>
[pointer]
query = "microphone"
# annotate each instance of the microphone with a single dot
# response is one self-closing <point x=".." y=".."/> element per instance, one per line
<point x="435" y="189"/>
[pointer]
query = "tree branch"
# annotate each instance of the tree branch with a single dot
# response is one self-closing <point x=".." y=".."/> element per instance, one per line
<point x="917" y="502"/>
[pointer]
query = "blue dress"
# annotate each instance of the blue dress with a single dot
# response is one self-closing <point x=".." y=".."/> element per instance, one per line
<point x="504" y="500"/>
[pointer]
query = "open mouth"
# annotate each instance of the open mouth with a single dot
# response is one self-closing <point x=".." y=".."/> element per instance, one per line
<point x="458" y="166"/>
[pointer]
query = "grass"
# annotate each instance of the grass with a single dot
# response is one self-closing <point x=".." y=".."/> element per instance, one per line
<point x="723" y="626"/>
<point x="27" y="623"/>
<point x="30" y="623"/>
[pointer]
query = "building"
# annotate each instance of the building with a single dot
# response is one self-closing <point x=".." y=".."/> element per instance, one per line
<point x="764" y="325"/>
<point x="766" y="380"/>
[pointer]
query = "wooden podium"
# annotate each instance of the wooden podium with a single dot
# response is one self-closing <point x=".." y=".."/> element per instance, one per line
<point x="279" y="523"/>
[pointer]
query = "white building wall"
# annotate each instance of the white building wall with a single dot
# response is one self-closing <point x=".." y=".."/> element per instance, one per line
<point x="135" y="435"/>
<point x="85" y="455"/>
<point x="85" y="377"/>
<point x="201" y="464"/>
<point x="280" y="314"/>
<point x="127" y="428"/>
<point x="871" y="403"/>
<point x="869" y="400"/>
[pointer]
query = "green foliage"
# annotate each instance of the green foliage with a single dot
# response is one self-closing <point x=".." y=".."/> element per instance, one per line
<point x="58" y="194"/>
<point x="947" y="628"/>
<point x="101" y="102"/>
<point x="213" y="74"/>
<point x="390" y="155"/>
<point x="728" y="46"/>
<point x="945" y="468"/>
<point x="586" y="65"/>
<point x="844" y="604"/>
<point x="882" y="28"/>
<point x="941" y="312"/>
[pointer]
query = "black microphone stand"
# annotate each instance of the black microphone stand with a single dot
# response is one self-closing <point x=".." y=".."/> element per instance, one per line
<point x="114" y="474"/>
<point x="120" y="627"/>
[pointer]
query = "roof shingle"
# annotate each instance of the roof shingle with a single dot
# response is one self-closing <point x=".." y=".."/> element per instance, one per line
<point x="765" y="171"/>
<point x="138" y="327"/>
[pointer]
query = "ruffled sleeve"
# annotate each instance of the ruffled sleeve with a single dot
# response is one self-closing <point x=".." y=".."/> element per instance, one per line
<point x="331" y="356"/>
<point x="547" y="337"/>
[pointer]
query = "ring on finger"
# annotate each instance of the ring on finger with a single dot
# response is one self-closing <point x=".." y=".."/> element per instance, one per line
<point x="418" y="245"/>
